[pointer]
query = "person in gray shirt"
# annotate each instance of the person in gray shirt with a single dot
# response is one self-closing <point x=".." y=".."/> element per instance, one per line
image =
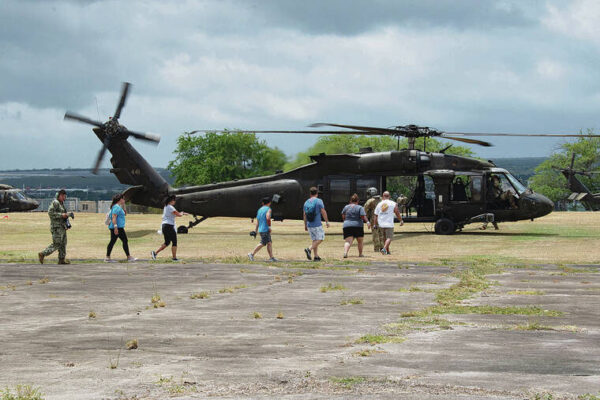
<point x="354" y="217"/>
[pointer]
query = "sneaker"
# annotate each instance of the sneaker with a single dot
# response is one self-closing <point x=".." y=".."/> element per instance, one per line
<point x="307" y="251"/>
<point x="109" y="260"/>
<point x="317" y="258"/>
<point x="153" y="255"/>
<point x="131" y="259"/>
<point x="175" y="259"/>
<point x="273" y="259"/>
<point x="384" y="251"/>
<point x="345" y="255"/>
<point x="250" y="257"/>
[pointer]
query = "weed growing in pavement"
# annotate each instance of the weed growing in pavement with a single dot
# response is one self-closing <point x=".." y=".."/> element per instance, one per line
<point x="257" y="315"/>
<point x="331" y="286"/>
<point x="462" y="309"/>
<point x="348" y="382"/>
<point x="92" y="314"/>
<point x="379" y="339"/>
<point x="232" y="288"/>
<point x="22" y="392"/>
<point x="279" y="315"/>
<point x="353" y="301"/>
<point x="44" y="280"/>
<point x="527" y="292"/>
<point x="132" y="344"/>
<point x="200" y="295"/>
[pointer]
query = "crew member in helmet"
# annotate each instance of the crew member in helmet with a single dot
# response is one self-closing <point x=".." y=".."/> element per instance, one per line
<point x="370" y="205"/>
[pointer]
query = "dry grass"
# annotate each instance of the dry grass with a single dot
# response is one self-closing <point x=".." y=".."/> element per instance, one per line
<point x="557" y="238"/>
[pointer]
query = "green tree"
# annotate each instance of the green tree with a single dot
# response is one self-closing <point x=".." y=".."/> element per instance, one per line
<point x="218" y="157"/>
<point x="551" y="183"/>
<point x="336" y="144"/>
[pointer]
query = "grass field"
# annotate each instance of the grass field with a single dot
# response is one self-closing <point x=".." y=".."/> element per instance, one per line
<point x="557" y="238"/>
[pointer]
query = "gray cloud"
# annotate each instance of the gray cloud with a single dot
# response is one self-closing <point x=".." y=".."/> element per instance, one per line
<point x="458" y="66"/>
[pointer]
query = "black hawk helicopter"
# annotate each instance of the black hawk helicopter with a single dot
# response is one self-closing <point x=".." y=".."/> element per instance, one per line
<point x="13" y="200"/>
<point x="437" y="198"/>
<point x="581" y="193"/>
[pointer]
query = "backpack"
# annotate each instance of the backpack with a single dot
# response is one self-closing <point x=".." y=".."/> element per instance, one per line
<point x="310" y="209"/>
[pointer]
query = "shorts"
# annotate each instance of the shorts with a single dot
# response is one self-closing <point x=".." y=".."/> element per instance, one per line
<point x="316" y="233"/>
<point x="354" y="231"/>
<point x="170" y="234"/>
<point x="388" y="233"/>
<point x="265" y="238"/>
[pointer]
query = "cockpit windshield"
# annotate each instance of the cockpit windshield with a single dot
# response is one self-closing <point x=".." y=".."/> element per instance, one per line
<point x="17" y="196"/>
<point x="517" y="185"/>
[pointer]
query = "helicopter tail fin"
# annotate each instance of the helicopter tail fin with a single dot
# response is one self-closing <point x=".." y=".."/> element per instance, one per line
<point x="131" y="168"/>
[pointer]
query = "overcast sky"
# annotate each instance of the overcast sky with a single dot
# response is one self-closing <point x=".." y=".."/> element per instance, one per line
<point x="470" y="66"/>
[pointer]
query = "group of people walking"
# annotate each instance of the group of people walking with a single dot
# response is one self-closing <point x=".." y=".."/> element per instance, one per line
<point x="378" y="214"/>
<point x="115" y="219"/>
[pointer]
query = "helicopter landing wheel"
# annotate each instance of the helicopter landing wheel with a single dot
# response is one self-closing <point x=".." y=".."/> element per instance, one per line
<point x="182" y="229"/>
<point x="444" y="226"/>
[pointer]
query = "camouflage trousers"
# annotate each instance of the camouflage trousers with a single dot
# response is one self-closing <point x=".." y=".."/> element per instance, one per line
<point x="378" y="239"/>
<point x="59" y="242"/>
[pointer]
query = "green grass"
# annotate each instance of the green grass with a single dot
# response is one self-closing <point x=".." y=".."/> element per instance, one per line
<point x="232" y="289"/>
<point x="527" y="292"/>
<point x="348" y="382"/>
<point x="589" y="396"/>
<point x="379" y="339"/>
<point x="533" y="326"/>
<point x="409" y="324"/>
<point x="21" y="392"/>
<point x="496" y="310"/>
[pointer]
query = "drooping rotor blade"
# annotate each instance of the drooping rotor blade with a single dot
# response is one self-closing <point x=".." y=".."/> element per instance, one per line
<point x="81" y="118"/>
<point x="151" y="137"/>
<point x="100" y="156"/>
<point x="380" y="131"/>
<point x="572" y="160"/>
<point x="465" y="140"/>
<point x="519" y="134"/>
<point x="124" y="91"/>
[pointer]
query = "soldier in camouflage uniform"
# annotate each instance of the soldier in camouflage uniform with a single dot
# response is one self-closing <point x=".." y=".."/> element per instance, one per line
<point x="58" y="215"/>
<point x="370" y="205"/>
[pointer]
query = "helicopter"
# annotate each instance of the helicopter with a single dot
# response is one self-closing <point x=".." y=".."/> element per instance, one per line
<point x="451" y="191"/>
<point x="581" y="193"/>
<point x="13" y="200"/>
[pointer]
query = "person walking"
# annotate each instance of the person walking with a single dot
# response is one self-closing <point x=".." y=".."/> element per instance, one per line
<point x="168" y="227"/>
<point x="313" y="210"/>
<point x="370" y="206"/>
<point x="117" y="228"/>
<point x="58" y="227"/>
<point x="263" y="227"/>
<point x="384" y="219"/>
<point x="354" y="218"/>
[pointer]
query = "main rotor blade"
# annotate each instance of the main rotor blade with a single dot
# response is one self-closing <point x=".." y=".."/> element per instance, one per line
<point x="572" y="160"/>
<point x="520" y="134"/>
<point x="124" y="91"/>
<point x="381" y="131"/>
<point x="81" y="118"/>
<point x="465" y="140"/>
<point x="100" y="157"/>
<point x="151" y="137"/>
<point x="303" y="132"/>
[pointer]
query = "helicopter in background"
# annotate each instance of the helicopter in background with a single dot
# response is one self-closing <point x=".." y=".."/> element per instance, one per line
<point x="451" y="191"/>
<point x="13" y="200"/>
<point x="581" y="193"/>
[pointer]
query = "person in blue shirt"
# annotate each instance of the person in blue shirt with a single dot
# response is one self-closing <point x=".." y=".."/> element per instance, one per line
<point x="313" y="210"/>
<point x="117" y="228"/>
<point x="263" y="227"/>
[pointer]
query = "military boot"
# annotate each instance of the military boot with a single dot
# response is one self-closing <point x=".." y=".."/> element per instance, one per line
<point x="41" y="257"/>
<point x="64" y="261"/>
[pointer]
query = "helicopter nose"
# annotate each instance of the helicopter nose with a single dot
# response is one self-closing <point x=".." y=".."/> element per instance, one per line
<point x="544" y="205"/>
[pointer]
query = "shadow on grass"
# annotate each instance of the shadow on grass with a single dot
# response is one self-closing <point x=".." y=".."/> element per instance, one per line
<point x="139" y="234"/>
<point x="510" y="234"/>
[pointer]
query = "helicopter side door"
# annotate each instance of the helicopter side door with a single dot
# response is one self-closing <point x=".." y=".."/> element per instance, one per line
<point x="338" y="189"/>
<point x="466" y="196"/>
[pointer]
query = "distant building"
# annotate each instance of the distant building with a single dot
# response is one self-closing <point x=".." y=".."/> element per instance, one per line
<point x="88" y="207"/>
<point x="71" y="204"/>
<point x="103" y="206"/>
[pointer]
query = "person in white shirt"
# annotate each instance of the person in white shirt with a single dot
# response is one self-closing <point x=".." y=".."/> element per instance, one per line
<point x="384" y="219"/>
<point x="168" y="227"/>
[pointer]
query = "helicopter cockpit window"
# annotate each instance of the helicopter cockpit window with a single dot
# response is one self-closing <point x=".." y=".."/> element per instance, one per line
<point x="20" y="196"/>
<point x="500" y="191"/>
<point x="517" y="185"/>
<point x="460" y="189"/>
<point x="339" y="190"/>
